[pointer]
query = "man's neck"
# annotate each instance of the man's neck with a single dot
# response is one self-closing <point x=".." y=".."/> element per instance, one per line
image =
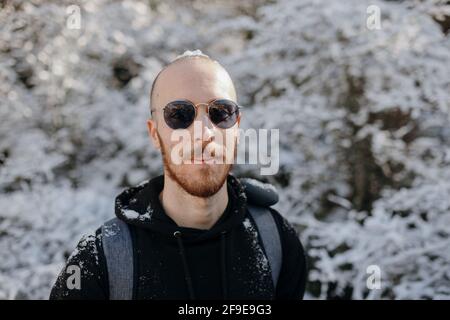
<point x="190" y="211"/>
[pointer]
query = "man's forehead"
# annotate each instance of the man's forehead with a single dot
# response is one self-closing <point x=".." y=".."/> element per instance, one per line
<point x="195" y="79"/>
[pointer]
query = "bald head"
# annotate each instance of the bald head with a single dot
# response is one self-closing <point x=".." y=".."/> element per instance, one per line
<point x="199" y="80"/>
<point x="196" y="78"/>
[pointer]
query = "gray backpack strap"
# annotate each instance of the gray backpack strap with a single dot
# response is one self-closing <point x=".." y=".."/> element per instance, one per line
<point x="118" y="250"/>
<point x="270" y="237"/>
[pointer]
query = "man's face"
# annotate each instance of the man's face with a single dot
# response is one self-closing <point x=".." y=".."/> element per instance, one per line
<point x="200" y="81"/>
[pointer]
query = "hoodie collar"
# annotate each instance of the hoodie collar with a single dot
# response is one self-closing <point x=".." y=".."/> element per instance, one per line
<point x="140" y="206"/>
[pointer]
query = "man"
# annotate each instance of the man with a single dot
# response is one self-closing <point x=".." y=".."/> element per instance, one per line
<point x="191" y="231"/>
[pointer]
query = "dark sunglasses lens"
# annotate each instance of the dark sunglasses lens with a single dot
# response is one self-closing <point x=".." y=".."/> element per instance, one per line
<point x="224" y="113"/>
<point x="179" y="114"/>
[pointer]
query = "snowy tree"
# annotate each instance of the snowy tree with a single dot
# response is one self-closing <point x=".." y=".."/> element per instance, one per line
<point x="363" y="116"/>
<point x="74" y="103"/>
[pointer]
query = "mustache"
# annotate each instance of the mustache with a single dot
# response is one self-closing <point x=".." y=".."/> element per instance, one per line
<point x="206" y="149"/>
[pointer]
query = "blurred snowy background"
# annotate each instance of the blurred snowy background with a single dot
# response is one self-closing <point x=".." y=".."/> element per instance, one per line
<point x="363" y="113"/>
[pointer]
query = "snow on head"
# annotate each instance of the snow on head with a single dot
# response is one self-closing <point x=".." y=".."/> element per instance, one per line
<point x="189" y="53"/>
<point x="193" y="54"/>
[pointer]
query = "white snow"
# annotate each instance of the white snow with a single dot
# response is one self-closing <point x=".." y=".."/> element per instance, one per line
<point x="261" y="185"/>
<point x="191" y="53"/>
<point x="73" y="133"/>
<point x="261" y="263"/>
<point x="130" y="214"/>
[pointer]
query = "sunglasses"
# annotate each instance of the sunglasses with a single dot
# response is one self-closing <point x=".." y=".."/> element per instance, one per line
<point x="180" y="114"/>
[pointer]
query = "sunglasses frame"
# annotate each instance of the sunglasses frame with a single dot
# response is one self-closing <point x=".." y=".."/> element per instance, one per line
<point x="208" y="105"/>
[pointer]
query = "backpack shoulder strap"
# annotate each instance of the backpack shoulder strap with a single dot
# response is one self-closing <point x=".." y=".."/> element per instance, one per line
<point x="118" y="250"/>
<point x="270" y="237"/>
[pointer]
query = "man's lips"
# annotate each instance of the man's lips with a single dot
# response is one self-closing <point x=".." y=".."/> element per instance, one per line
<point x="208" y="160"/>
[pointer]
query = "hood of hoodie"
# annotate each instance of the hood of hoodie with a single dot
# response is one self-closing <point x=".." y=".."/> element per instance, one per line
<point x="140" y="206"/>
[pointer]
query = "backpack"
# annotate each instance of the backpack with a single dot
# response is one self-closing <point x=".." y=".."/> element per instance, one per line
<point x="118" y="246"/>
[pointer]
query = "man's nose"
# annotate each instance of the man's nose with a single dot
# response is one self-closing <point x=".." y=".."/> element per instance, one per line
<point x="206" y="125"/>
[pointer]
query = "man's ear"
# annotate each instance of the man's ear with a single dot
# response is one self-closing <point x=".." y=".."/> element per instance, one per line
<point x="152" y="132"/>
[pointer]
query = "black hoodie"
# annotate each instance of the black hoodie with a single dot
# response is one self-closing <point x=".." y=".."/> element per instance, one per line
<point x="172" y="262"/>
